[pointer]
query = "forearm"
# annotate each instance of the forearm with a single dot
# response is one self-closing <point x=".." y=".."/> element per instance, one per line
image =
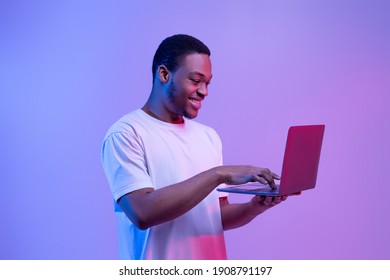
<point x="237" y="215"/>
<point x="154" y="207"/>
<point x="149" y="207"/>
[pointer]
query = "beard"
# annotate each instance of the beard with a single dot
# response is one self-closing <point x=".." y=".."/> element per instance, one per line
<point x="174" y="99"/>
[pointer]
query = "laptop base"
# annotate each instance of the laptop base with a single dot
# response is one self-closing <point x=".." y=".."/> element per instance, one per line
<point x="252" y="188"/>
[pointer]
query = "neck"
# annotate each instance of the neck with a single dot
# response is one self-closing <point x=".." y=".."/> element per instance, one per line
<point x="154" y="113"/>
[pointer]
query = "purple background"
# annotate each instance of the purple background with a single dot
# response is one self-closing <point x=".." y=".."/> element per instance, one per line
<point x="69" y="70"/>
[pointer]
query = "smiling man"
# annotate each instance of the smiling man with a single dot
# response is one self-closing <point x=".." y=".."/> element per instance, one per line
<point x="163" y="167"/>
<point x="180" y="94"/>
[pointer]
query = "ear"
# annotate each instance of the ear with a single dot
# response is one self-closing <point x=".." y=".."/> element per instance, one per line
<point x="163" y="74"/>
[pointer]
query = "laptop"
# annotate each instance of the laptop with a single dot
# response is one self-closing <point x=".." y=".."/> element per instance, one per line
<point x="300" y="164"/>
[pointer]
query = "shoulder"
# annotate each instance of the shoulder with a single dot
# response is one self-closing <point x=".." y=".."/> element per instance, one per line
<point x="196" y="125"/>
<point x="205" y="130"/>
<point x="125" y="136"/>
<point x="128" y="124"/>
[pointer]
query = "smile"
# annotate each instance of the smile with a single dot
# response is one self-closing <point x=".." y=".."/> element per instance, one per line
<point x="196" y="104"/>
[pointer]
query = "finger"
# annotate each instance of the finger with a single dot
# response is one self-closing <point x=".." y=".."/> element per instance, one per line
<point x="297" y="193"/>
<point x="270" y="181"/>
<point x="260" y="179"/>
<point x="267" y="200"/>
<point x="268" y="175"/>
<point x="260" y="198"/>
<point x="277" y="199"/>
<point x="275" y="176"/>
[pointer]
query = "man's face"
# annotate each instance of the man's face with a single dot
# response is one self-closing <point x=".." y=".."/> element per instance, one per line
<point x="188" y="86"/>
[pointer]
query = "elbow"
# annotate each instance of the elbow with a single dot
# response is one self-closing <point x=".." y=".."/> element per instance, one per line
<point x="140" y="223"/>
<point x="138" y="212"/>
<point x="138" y="220"/>
<point x="141" y="220"/>
<point x="142" y="227"/>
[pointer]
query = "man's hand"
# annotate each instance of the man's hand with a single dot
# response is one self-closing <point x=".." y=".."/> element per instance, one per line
<point x="241" y="174"/>
<point x="268" y="201"/>
<point x="239" y="214"/>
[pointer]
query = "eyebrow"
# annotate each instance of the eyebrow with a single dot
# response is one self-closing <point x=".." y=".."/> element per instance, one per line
<point x="200" y="74"/>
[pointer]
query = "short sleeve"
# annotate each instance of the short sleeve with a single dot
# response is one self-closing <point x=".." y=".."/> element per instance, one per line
<point x="218" y="146"/>
<point x="123" y="160"/>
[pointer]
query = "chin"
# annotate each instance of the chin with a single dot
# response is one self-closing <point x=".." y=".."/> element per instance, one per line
<point x="191" y="116"/>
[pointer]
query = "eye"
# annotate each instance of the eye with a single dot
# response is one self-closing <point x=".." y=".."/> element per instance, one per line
<point x="195" y="81"/>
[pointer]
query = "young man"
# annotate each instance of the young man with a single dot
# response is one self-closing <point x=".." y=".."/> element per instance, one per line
<point x="163" y="167"/>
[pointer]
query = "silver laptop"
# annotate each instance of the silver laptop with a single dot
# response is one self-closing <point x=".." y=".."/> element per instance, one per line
<point x="300" y="164"/>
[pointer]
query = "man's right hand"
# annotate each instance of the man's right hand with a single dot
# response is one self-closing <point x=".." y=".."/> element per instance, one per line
<point x="241" y="174"/>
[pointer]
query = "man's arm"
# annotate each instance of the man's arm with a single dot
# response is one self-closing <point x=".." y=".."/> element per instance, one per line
<point x="148" y="207"/>
<point x="240" y="214"/>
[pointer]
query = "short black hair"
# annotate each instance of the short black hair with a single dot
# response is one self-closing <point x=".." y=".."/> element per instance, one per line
<point x="173" y="49"/>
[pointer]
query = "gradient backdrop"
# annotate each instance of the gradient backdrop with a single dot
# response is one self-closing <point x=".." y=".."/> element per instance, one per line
<point x="69" y="69"/>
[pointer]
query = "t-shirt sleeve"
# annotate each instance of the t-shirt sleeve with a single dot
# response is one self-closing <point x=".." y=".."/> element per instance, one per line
<point x="124" y="164"/>
<point x="218" y="146"/>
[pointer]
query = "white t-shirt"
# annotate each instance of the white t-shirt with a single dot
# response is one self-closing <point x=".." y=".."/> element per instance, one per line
<point x="140" y="151"/>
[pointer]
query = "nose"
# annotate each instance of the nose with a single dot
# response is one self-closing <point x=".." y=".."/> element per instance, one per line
<point x="203" y="90"/>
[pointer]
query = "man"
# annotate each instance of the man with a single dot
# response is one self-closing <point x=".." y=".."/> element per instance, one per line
<point x="163" y="167"/>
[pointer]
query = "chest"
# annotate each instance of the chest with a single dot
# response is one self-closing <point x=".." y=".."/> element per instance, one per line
<point x="172" y="156"/>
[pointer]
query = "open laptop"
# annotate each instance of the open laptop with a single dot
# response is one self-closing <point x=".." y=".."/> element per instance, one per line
<point x="300" y="164"/>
